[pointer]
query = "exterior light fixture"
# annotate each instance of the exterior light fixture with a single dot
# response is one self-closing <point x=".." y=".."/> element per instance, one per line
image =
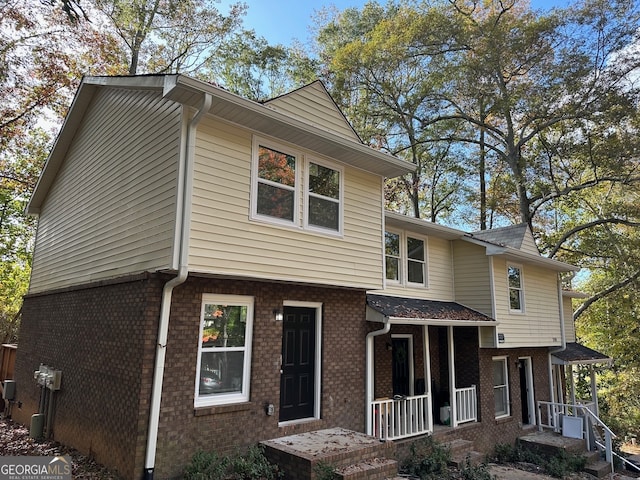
<point x="277" y="314"/>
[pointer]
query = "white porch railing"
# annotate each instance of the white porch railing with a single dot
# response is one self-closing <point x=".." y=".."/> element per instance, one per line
<point x="553" y="413"/>
<point x="401" y="418"/>
<point x="466" y="405"/>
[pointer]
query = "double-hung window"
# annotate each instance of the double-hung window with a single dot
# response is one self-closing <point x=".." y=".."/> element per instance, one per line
<point x="224" y="350"/>
<point x="405" y="259"/>
<point x="501" y="387"/>
<point x="284" y="178"/>
<point x="276" y="184"/>
<point x="516" y="290"/>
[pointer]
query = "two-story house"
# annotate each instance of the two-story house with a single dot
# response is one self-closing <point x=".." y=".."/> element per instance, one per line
<point x="211" y="272"/>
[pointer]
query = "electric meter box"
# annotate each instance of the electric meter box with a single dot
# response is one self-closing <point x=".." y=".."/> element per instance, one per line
<point x="9" y="390"/>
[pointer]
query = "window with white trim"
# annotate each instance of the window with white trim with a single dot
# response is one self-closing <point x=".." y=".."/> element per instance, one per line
<point x="224" y="350"/>
<point x="501" y="387"/>
<point x="405" y="259"/>
<point x="516" y="290"/>
<point x="278" y="189"/>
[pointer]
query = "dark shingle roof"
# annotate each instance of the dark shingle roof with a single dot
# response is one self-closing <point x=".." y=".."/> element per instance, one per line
<point x="401" y="307"/>
<point x="579" y="354"/>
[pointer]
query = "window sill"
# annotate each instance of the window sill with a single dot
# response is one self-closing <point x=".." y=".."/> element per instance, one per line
<point x="506" y="419"/>
<point x="218" y="409"/>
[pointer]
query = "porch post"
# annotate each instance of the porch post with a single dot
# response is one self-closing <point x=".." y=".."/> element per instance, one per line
<point x="427" y="373"/>
<point x="452" y="378"/>
<point x="573" y="388"/>
<point x="594" y="390"/>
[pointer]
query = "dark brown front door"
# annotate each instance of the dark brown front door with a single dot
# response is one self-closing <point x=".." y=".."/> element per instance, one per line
<point x="297" y="381"/>
<point x="400" y="377"/>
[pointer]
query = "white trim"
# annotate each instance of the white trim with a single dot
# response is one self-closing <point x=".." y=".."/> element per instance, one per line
<point x="522" y="309"/>
<point x="531" y="401"/>
<point x="244" y="394"/>
<point x="258" y="141"/>
<point x="392" y="281"/>
<point x="300" y="190"/>
<point x="412" y="378"/>
<point x="403" y="259"/>
<point x="318" y="359"/>
<point x="505" y="360"/>
<point x="307" y="194"/>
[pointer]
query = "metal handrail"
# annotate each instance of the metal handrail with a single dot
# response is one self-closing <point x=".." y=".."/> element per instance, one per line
<point x="554" y="409"/>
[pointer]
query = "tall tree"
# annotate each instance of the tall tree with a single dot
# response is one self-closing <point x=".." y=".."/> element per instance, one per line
<point x="43" y="55"/>
<point x="379" y="81"/>
<point x="170" y="36"/>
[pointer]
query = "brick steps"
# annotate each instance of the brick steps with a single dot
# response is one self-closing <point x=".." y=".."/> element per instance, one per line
<point x="374" y="469"/>
<point x="353" y="455"/>
<point x="462" y="452"/>
<point x="599" y="468"/>
<point x="551" y="443"/>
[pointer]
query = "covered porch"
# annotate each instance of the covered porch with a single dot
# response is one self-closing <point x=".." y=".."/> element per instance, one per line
<point x="422" y="365"/>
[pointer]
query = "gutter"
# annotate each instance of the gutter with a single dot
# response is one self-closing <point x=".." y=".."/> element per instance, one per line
<point x="370" y="370"/>
<point x="183" y="220"/>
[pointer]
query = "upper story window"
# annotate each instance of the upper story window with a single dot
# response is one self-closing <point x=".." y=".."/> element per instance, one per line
<point x="405" y="259"/>
<point x="276" y="184"/>
<point x="224" y="350"/>
<point x="278" y="189"/>
<point x="516" y="289"/>
<point x="323" y="197"/>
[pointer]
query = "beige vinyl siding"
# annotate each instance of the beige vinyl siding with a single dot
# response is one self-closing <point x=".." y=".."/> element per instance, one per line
<point x="539" y="324"/>
<point x="312" y="105"/>
<point x="529" y="244"/>
<point x="569" y="326"/>
<point x="225" y="241"/>
<point x="111" y="209"/>
<point x="471" y="275"/>
<point x="439" y="273"/>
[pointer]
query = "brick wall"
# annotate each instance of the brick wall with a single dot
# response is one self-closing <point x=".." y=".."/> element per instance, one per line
<point x="102" y="337"/>
<point x="184" y="429"/>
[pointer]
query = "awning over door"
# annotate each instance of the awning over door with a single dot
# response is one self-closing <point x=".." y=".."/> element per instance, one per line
<point x="576" y="354"/>
<point x="423" y="312"/>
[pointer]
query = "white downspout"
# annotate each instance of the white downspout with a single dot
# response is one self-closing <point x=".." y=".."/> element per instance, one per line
<point x="371" y="371"/>
<point x="183" y="220"/>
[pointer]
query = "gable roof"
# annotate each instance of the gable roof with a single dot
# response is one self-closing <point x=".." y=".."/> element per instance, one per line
<point x="486" y="238"/>
<point x="515" y="236"/>
<point x="227" y="106"/>
<point x="314" y="104"/>
<point x="423" y="312"/>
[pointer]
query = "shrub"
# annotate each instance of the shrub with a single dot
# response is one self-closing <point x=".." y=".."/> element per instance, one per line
<point x="428" y="459"/>
<point x="250" y="465"/>
<point x="324" y="471"/>
<point x="475" y="472"/>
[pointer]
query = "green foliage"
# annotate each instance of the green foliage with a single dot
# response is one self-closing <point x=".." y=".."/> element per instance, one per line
<point x="558" y="465"/>
<point x="428" y="459"/>
<point x="251" y="465"/>
<point x="475" y="472"/>
<point x="324" y="471"/>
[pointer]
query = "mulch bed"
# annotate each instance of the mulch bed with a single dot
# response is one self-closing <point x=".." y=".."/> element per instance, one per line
<point x="15" y="441"/>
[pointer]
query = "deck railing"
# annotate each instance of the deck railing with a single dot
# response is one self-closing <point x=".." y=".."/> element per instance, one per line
<point x="401" y="417"/>
<point x="466" y="405"/>
<point x="550" y="416"/>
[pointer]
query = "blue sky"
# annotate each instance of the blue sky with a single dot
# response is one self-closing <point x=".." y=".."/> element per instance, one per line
<point x="281" y="21"/>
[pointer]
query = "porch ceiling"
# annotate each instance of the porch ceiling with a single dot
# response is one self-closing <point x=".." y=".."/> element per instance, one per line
<point x="576" y="354"/>
<point x="423" y="312"/>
